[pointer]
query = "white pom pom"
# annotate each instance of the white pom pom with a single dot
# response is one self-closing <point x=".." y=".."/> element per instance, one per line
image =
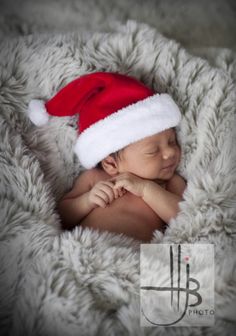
<point x="37" y="112"/>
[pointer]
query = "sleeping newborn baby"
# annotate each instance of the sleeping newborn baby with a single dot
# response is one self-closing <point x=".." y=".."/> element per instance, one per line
<point x="136" y="192"/>
<point x="127" y="142"/>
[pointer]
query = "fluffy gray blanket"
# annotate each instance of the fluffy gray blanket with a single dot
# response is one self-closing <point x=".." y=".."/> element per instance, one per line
<point x="85" y="282"/>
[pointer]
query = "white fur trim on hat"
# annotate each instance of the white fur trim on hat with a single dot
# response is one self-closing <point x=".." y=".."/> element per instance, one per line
<point x="130" y="124"/>
<point x="37" y="112"/>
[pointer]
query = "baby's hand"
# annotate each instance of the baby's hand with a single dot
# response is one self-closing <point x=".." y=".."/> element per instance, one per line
<point x="130" y="182"/>
<point x="103" y="193"/>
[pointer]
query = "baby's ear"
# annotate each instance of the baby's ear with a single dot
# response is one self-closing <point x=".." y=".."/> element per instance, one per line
<point x="109" y="164"/>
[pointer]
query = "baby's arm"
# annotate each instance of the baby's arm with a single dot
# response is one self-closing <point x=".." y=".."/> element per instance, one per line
<point x="75" y="205"/>
<point x="165" y="202"/>
<point x="86" y="194"/>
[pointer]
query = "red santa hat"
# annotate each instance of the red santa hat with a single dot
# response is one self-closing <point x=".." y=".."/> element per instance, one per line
<point x="114" y="111"/>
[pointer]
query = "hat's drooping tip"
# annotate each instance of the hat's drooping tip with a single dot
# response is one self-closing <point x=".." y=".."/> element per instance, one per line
<point x="37" y="112"/>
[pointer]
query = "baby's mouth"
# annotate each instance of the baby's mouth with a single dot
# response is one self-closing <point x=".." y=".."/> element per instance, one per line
<point x="169" y="166"/>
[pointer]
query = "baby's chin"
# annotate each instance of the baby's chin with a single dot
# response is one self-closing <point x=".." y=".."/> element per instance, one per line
<point x="160" y="176"/>
<point x="164" y="177"/>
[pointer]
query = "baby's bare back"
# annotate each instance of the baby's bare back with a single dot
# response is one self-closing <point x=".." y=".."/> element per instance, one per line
<point x="127" y="214"/>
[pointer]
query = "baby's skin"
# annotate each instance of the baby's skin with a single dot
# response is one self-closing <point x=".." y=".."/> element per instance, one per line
<point x="134" y="195"/>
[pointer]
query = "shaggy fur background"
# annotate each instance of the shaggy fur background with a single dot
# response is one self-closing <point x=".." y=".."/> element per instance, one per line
<point x="86" y="282"/>
<point x="193" y="23"/>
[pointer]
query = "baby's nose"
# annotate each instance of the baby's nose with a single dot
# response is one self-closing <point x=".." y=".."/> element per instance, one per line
<point x="168" y="153"/>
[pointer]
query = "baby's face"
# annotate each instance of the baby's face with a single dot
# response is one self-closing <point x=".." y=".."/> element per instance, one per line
<point x="155" y="157"/>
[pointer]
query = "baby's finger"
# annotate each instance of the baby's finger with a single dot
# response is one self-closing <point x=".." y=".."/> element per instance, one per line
<point x="109" y="183"/>
<point x="116" y="193"/>
<point x="108" y="191"/>
<point x="117" y="188"/>
<point x="103" y="195"/>
<point x="121" y="191"/>
<point x="99" y="201"/>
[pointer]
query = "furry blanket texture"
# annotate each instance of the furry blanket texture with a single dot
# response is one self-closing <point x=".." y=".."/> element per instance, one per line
<point x="212" y="22"/>
<point x="86" y="282"/>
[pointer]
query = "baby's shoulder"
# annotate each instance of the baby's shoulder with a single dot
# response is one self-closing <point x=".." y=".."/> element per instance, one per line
<point x="91" y="175"/>
<point x="176" y="184"/>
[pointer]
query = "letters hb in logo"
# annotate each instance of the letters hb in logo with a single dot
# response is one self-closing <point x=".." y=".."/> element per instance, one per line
<point x="177" y="285"/>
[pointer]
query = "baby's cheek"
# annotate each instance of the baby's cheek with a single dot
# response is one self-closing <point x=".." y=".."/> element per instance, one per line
<point x="178" y="153"/>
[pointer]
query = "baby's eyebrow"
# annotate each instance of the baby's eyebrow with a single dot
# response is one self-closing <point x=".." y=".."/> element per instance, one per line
<point x="155" y="144"/>
<point x="150" y="143"/>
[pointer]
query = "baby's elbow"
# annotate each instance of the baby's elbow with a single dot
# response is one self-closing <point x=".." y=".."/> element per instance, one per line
<point x="65" y="215"/>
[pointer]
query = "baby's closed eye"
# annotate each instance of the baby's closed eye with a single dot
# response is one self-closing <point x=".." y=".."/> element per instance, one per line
<point x="154" y="151"/>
